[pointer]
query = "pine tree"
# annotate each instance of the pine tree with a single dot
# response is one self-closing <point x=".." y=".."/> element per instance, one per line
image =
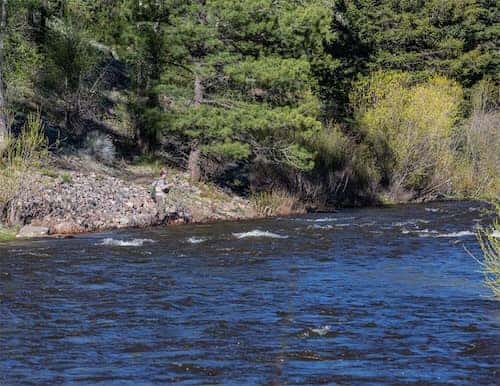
<point x="3" y="28"/>
<point x="19" y="60"/>
<point x="458" y="39"/>
<point x="239" y="84"/>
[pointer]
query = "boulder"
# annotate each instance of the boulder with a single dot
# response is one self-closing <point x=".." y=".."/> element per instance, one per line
<point x="30" y="231"/>
<point x="66" y="228"/>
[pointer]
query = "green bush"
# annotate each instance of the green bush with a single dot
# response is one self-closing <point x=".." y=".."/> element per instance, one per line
<point x="7" y="234"/>
<point x="490" y="244"/>
<point x="345" y="171"/>
<point x="66" y="178"/>
<point x="21" y="156"/>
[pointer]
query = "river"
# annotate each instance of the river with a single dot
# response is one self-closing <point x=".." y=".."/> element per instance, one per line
<point x="359" y="297"/>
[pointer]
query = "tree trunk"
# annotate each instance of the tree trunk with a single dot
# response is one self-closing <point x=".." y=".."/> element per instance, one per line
<point x="3" y="120"/>
<point x="194" y="166"/>
<point x="198" y="90"/>
<point x="44" y="12"/>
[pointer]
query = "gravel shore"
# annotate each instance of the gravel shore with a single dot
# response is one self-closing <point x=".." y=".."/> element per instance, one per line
<point x="78" y="202"/>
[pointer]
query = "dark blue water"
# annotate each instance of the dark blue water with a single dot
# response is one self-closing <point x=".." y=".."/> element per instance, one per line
<point x="368" y="297"/>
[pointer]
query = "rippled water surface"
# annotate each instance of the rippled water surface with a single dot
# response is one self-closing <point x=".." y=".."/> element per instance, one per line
<point x="371" y="296"/>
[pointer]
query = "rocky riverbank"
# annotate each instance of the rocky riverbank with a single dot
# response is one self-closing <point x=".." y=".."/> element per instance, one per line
<point x="77" y="201"/>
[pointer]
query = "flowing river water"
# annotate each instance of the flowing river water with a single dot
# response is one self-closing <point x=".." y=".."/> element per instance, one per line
<point x="359" y="297"/>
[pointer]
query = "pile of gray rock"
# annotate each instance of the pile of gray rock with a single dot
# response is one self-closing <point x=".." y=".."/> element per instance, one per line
<point x="84" y="203"/>
<point x="93" y="202"/>
<point x="200" y="203"/>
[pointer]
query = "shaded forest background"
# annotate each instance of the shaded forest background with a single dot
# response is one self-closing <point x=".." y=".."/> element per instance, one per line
<point x="334" y="102"/>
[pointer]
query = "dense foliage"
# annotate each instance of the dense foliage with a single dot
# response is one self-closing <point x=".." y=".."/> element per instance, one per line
<point x="489" y="240"/>
<point x="332" y="101"/>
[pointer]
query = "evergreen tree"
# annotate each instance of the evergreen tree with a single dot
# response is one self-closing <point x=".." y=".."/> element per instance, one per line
<point x="19" y="61"/>
<point x="3" y="27"/>
<point x="458" y="39"/>
<point x="240" y="85"/>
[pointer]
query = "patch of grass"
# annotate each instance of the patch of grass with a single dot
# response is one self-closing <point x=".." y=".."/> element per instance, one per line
<point x="49" y="173"/>
<point x="66" y="178"/>
<point x="276" y="203"/>
<point x="7" y="234"/>
<point x="151" y="162"/>
<point x="209" y="190"/>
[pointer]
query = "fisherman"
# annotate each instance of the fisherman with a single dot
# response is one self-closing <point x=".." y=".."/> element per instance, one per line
<point x="160" y="187"/>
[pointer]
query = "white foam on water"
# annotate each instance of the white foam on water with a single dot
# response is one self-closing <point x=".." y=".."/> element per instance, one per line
<point x="425" y="231"/>
<point x="495" y="234"/>
<point x="434" y="233"/>
<point x="323" y="219"/>
<point x="110" y="242"/>
<point x="433" y="210"/>
<point x="321" y="331"/>
<point x="37" y="254"/>
<point x="420" y="232"/>
<point x="457" y="234"/>
<point x="317" y="226"/>
<point x="410" y="222"/>
<point x="258" y="233"/>
<point x="225" y="249"/>
<point x="196" y="240"/>
<point x="329" y="219"/>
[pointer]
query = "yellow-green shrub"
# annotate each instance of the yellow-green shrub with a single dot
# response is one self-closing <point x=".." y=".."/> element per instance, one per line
<point x="409" y="128"/>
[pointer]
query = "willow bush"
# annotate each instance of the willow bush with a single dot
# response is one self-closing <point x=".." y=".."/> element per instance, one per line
<point x="409" y="127"/>
<point x="477" y="144"/>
